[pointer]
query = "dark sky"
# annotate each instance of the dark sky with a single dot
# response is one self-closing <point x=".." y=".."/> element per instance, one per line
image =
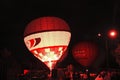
<point x="85" y="18"/>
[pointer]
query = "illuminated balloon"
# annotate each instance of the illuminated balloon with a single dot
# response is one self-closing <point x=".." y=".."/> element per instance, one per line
<point x="85" y="53"/>
<point x="47" y="38"/>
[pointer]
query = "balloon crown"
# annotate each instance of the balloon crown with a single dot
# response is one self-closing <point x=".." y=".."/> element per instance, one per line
<point x="46" y="24"/>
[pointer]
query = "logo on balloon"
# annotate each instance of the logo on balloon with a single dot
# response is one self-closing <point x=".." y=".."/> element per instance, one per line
<point x="33" y="42"/>
<point x="85" y="53"/>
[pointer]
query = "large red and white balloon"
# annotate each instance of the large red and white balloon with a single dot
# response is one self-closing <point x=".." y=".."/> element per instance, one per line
<point x="85" y="53"/>
<point x="47" y="38"/>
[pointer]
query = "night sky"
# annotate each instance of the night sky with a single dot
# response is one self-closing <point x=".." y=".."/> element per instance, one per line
<point x="85" y="18"/>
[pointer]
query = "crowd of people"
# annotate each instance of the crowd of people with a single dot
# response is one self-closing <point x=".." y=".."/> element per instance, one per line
<point x="68" y="73"/>
<point x="8" y="65"/>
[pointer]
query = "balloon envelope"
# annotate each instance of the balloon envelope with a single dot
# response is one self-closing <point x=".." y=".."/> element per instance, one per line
<point x="85" y="53"/>
<point x="47" y="38"/>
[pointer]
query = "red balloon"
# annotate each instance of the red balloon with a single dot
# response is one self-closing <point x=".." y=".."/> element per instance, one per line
<point x="85" y="53"/>
<point x="46" y="24"/>
<point x="47" y="38"/>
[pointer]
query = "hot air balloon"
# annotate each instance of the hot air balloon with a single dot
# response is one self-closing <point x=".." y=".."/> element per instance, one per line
<point x="47" y="38"/>
<point x="85" y="53"/>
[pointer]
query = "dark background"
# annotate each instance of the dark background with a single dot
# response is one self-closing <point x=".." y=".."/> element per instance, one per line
<point x="85" y="18"/>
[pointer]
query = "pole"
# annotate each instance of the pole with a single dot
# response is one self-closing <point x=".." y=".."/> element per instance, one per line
<point x="107" y="53"/>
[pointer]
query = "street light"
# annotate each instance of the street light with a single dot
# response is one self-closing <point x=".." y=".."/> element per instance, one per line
<point x="112" y="34"/>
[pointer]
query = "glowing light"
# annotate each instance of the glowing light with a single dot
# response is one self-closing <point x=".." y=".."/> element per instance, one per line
<point x="48" y="50"/>
<point x="47" y="38"/>
<point x="112" y="33"/>
<point x="99" y="34"/>
<point x="49" y="55"/>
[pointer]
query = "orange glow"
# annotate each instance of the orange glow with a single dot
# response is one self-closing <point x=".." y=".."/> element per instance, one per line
<point x="47" y="38"/>
<point x="49" y="55"/>
<point x="49" y="47"/>
<point x="113" y="33"/>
